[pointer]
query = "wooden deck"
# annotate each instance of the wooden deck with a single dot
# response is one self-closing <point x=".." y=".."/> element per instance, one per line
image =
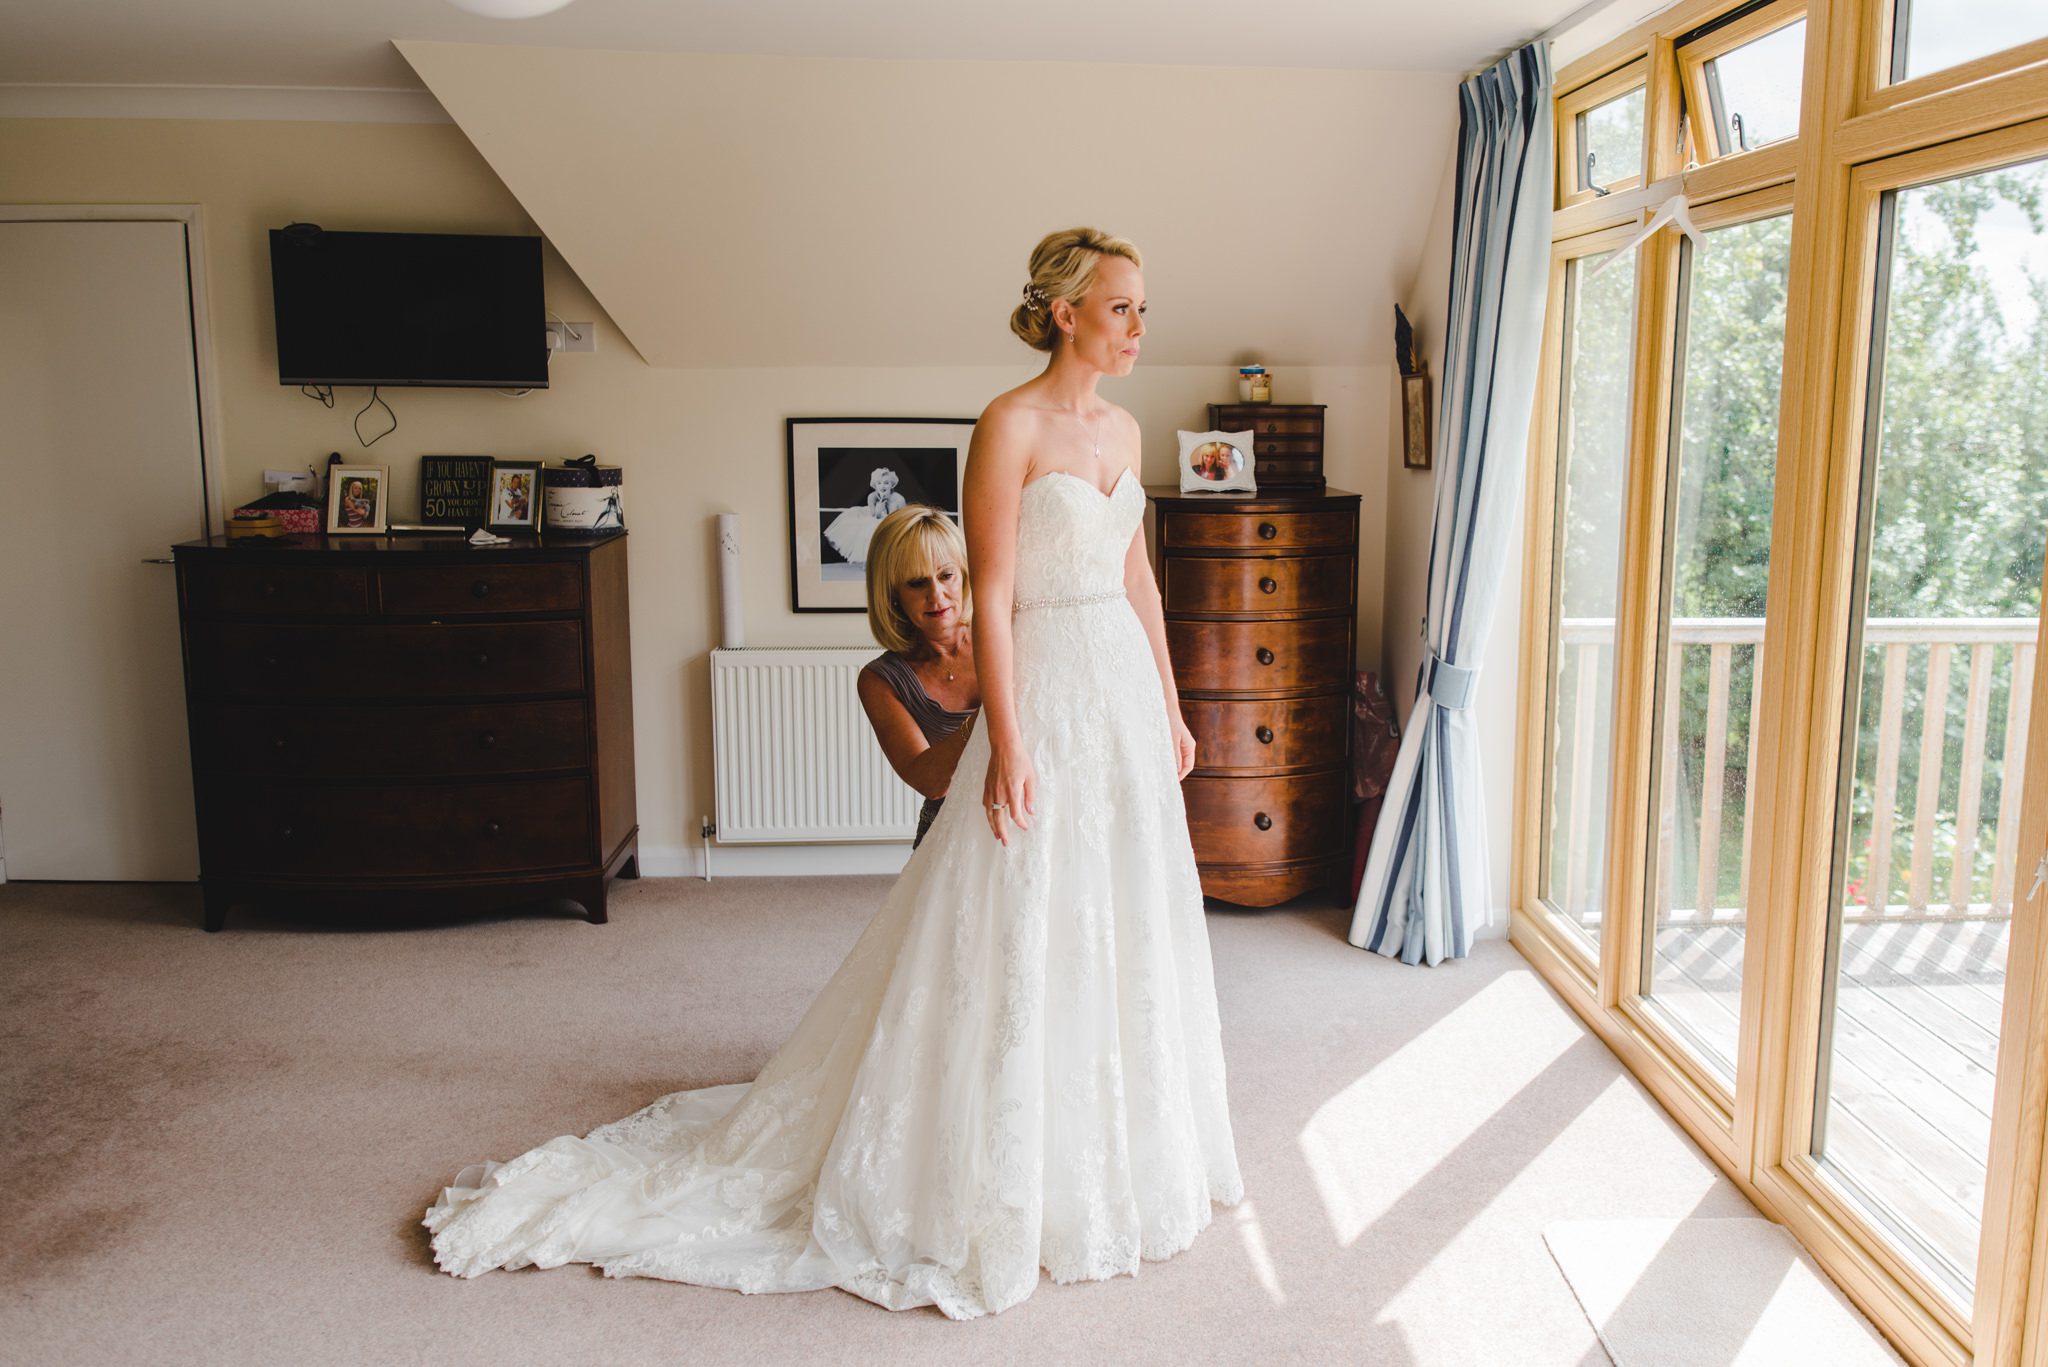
<point x="1908" y="1122"/>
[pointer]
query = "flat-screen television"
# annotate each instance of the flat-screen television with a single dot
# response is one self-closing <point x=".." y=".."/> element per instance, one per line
<point x="438" y="309"/>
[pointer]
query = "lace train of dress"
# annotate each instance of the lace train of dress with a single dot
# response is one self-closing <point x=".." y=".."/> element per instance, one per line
<point x="1018" y="1066"/>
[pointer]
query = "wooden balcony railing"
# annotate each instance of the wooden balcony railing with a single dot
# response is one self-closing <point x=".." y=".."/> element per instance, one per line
<point x="2000" y="663"/>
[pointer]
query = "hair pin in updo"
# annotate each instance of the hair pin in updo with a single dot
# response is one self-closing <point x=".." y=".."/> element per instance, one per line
<point x="1034" y="297"/>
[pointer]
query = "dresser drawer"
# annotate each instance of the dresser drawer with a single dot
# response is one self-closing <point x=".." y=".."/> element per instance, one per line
<point x="1260" y="656"/>
<point x="435" y="830"/>
<point x="1306" y="448"/>
<point x="1258" y="531"/>
<point x="258" y="660"/>
<point x="1267" y="733"/>
<point x="1244" y="584"/>
<point x="454" y="740"/>
<point x="1309" y="426"/>
<point x="449" y="590"/>
<point x="278" y="590"/>
<point x="1263" y="820"/>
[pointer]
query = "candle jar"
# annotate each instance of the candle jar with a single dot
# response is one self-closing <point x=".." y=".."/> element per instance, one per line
<point x="1261" y="388"/>
<point x="1247" y="377"/>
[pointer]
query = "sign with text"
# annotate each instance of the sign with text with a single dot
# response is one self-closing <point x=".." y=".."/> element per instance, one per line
<point x="455" y="491"/>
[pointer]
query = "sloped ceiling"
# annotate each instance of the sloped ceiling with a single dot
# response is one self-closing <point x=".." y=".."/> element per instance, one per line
<point x="754" y="211"/>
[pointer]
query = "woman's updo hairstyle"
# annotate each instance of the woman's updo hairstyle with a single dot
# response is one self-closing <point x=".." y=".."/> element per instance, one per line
<point x="1063" y="267"/>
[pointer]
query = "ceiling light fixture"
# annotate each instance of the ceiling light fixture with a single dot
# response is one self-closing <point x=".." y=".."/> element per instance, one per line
<point x="509" y="9"/>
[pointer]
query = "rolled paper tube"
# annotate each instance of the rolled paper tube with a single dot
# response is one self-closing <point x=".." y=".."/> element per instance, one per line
<point x="732" y="622"/>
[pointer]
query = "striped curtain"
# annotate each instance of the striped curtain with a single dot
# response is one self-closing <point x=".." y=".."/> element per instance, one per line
<point x="1426" y="875"/>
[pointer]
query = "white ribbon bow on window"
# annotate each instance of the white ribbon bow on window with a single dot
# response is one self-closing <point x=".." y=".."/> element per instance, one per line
<point x="1676" y="211"/>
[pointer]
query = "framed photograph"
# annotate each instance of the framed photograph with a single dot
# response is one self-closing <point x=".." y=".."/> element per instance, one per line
<point x="356" y="497"/>
<point x="1415" y="433"/>
<point x="845" y="476"/>
<point x="1217" y="463"/>
<point x="455" y="491"/>
<point x="515" y="495"/>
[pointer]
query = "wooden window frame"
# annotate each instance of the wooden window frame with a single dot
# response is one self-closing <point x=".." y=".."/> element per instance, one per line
<point x="1980" y="113"/>
<point x="1703" y="129"/>
<point x="1633" y="997"/>
<point x="1570" y="108"/>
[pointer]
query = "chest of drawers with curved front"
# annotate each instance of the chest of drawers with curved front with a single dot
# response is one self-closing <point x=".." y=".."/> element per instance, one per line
<point x="1260" y="597"/>
<point x="409" y="724"/>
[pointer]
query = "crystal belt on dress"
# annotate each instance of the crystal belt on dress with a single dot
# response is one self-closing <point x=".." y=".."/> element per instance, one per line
<point x="1070" y="601"/>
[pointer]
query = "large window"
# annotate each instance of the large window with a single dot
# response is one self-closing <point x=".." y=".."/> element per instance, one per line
<point x="1950" y="562"/>
<point x="1599" y="312"/>
<point x="1782" y="801"/>
<point x="1723" y="460"/>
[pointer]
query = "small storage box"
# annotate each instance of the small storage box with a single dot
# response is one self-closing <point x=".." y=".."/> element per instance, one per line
<point x="583" y="496"/>
<point x="290" y="521"/>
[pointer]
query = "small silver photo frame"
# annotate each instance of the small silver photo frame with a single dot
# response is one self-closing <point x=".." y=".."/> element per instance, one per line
<point x="1217" y="463"/>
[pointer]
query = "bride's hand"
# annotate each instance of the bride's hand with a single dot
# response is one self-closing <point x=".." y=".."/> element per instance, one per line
<point x="1183" y="746"/>
<point x="1010" y="790"/>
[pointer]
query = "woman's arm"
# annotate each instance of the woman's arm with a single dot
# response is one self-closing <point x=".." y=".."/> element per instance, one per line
<point x="923" y="765"/>
<point x="1143" y="590"/>
<point x="997" y="460"/>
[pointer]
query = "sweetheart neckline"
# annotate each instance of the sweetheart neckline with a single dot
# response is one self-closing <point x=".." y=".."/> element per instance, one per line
<point x="1115" y="485"/>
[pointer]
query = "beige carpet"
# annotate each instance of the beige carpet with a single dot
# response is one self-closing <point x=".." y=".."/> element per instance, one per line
<point x="219" y="1146"/>
<point x="1710" y="1293"/>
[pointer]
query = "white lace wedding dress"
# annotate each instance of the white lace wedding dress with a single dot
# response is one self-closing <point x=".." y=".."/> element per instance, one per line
<point x="1019" y="1065"/>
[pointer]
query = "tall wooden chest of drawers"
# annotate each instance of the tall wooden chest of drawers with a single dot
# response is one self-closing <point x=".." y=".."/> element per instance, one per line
<point x="413" y="724"/>
<point x="1261" y="605"/>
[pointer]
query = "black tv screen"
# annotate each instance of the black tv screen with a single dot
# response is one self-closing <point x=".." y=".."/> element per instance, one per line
<point x="408" y="309"/>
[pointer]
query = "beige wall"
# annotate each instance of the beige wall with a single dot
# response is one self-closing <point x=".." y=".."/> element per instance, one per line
<point x="694" y="442"/>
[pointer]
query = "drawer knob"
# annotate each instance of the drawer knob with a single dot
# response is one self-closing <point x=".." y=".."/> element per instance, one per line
<point x="1265" y="735"/>
<point x="1265" y="656"/>
<point x="1272" y="427"/>
<point x="270" y="662"/>
<point x="481" y="588"/>
<point x="1267" y="531"/>
<point x="277" y="742"/>
<point x="284" y="833"/>
<point x="491" y="827"/>
<point x="483" y="658"/>
<point x="1263" y="822"/>
<point x="1269" y="586"/>
<point x="488" y="739"/>
<point x="269" y="589"/>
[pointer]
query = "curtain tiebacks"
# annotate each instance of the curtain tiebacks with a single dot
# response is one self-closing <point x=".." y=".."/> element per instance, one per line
<point x="1450" y="685"/>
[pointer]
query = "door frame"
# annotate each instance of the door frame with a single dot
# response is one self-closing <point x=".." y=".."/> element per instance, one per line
<point x="213" y="508"/>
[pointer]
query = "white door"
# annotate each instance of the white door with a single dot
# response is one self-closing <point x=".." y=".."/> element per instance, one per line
<point x="100" y="472"/>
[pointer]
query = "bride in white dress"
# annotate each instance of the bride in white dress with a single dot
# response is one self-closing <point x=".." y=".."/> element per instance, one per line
<point x="1019" y="1065"/>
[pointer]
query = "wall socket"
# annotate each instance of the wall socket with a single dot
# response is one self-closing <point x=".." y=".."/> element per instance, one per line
<point x="572" y="336"/>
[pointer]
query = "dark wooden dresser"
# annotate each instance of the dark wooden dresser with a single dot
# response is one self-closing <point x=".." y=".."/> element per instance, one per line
<point x="1260" y="597"/>
<point x="409" y="723"/>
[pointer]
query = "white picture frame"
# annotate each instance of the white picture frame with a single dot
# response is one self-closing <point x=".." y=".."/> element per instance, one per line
<point x="358" y="500"/>
<point x="515" y="496"/>
<point x="1217" y="463"/>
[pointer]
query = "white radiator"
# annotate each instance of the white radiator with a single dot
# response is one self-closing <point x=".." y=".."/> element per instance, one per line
<point x="794" y="757"/>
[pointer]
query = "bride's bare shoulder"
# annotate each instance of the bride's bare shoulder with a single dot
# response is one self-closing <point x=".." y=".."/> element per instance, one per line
<point x="1009" y="423"/>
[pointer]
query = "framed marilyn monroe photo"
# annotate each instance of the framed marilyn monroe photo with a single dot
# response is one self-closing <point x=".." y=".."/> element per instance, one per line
<point x="845" y="476"/>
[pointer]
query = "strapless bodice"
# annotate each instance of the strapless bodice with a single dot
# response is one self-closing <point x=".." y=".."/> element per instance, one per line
<point x="1072" y="537"/>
